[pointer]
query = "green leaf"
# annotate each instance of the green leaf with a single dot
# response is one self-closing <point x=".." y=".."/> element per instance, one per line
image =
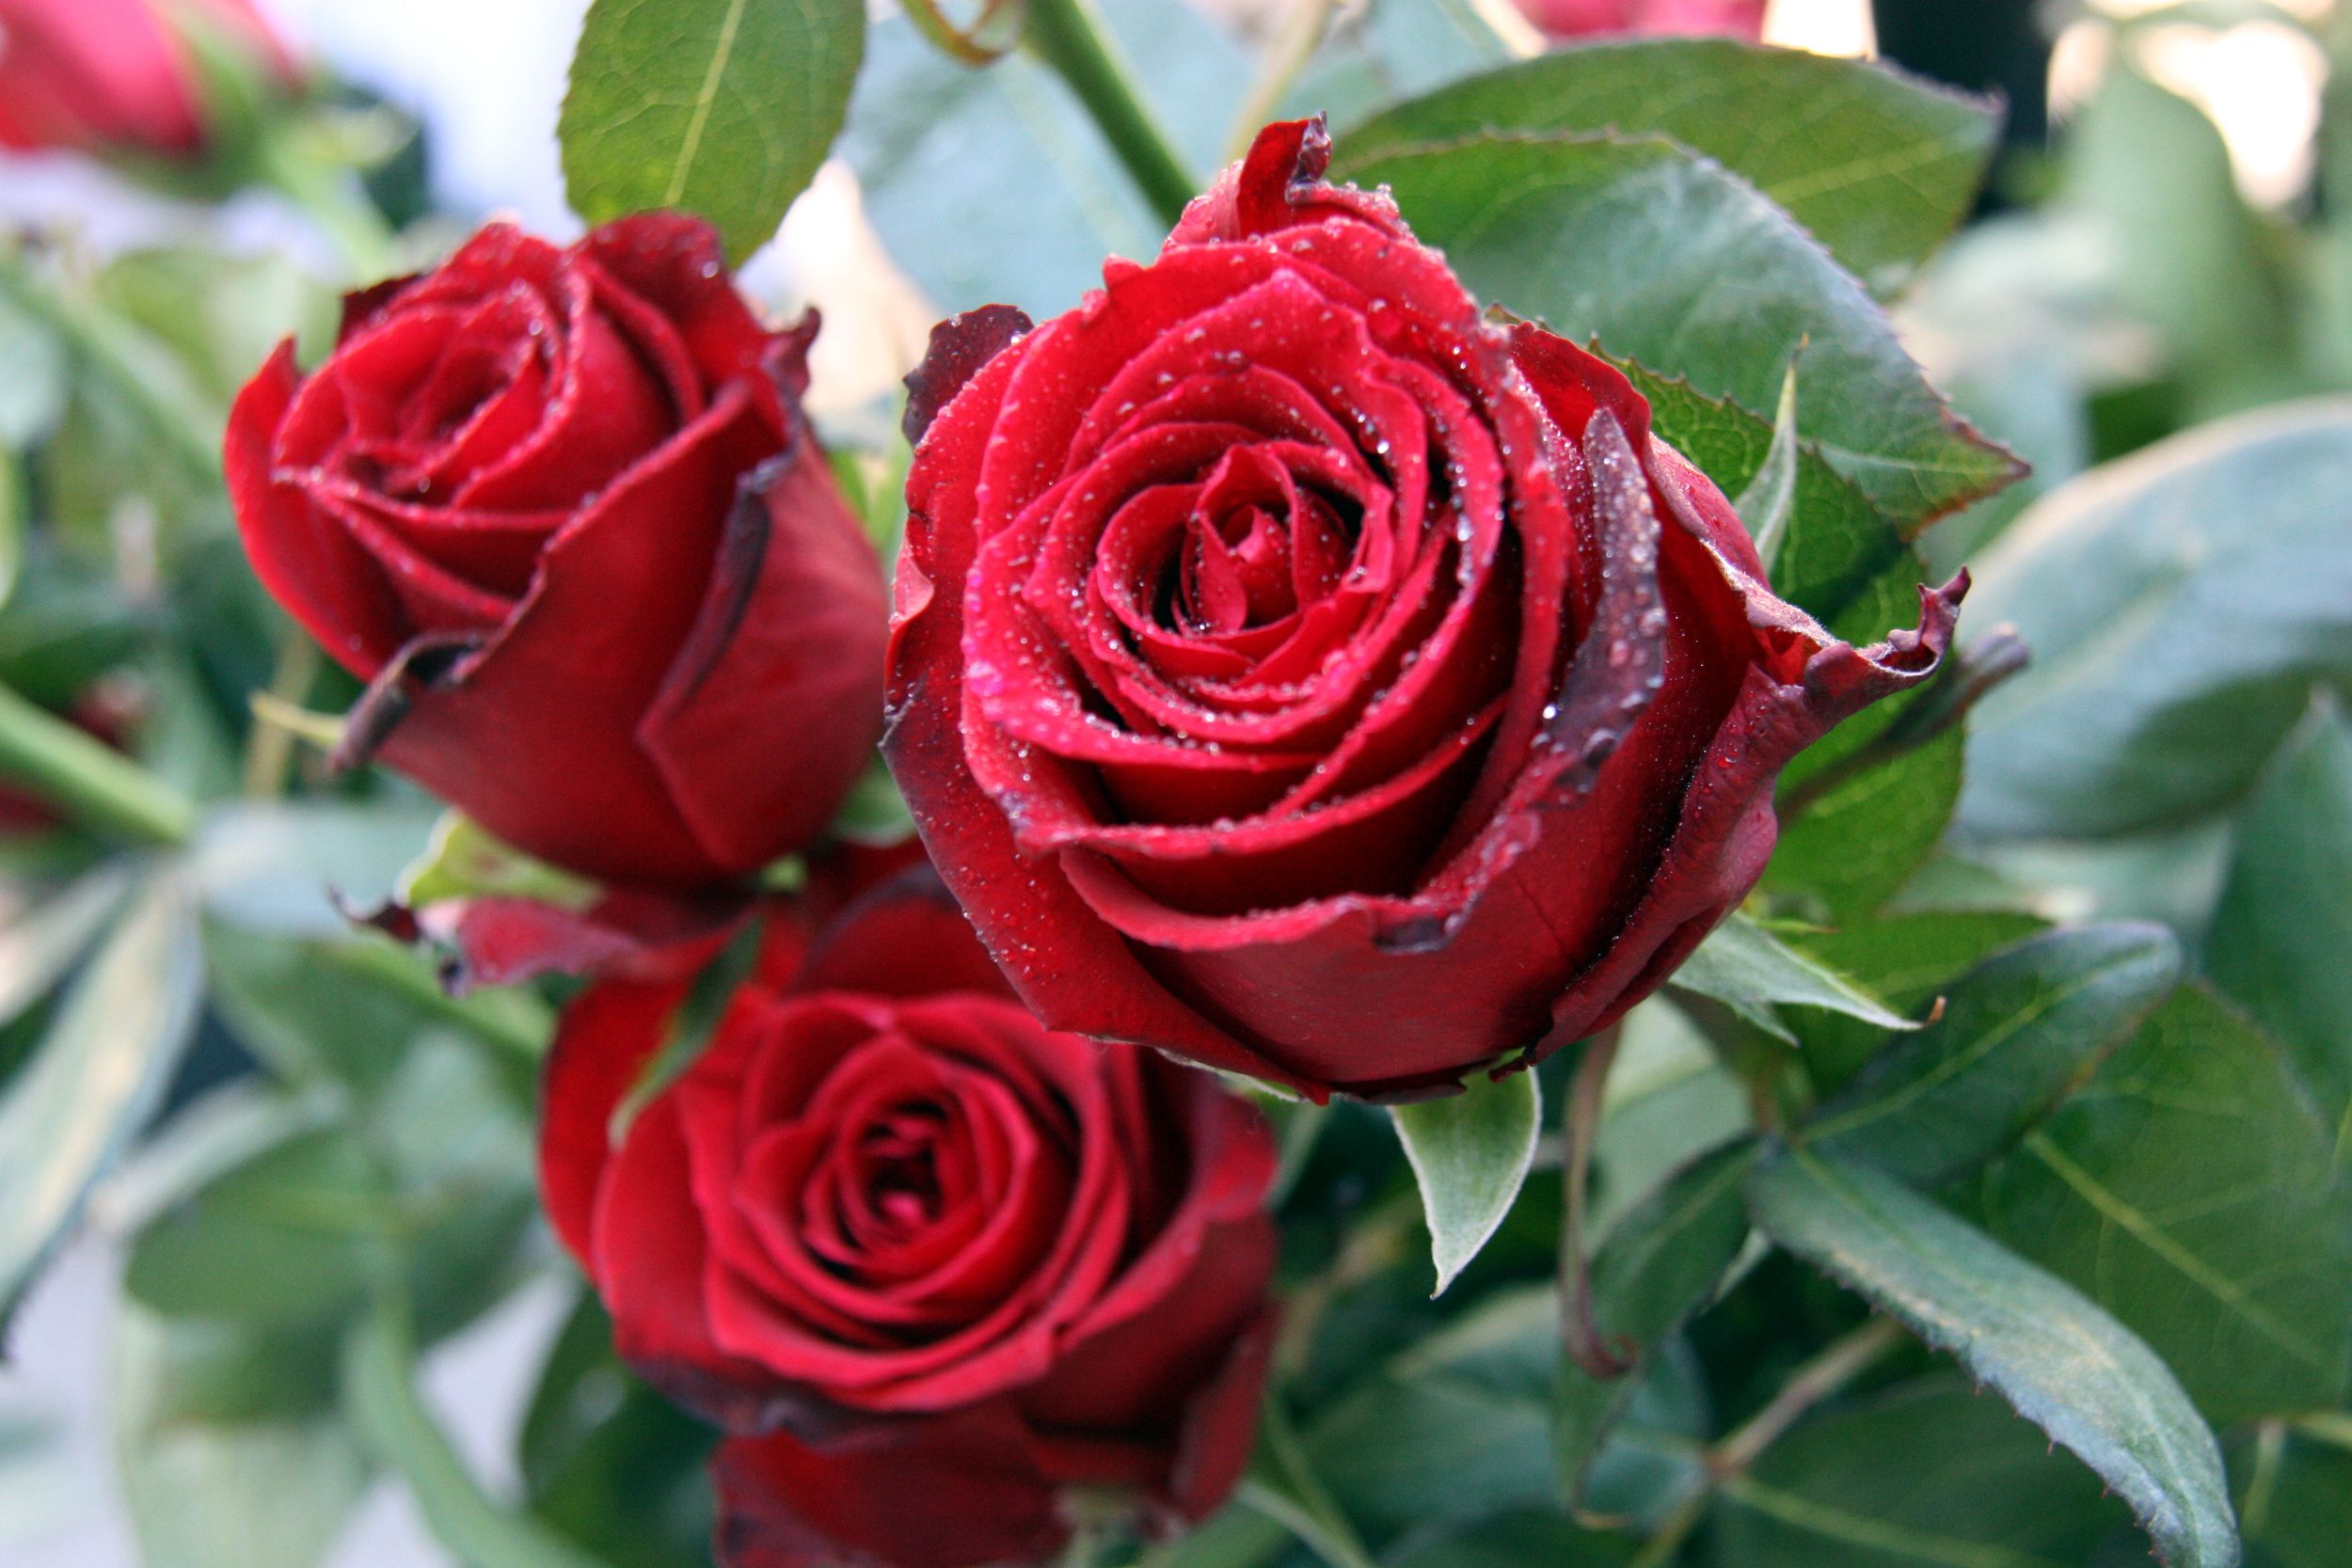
<point x="1880" y="166"/>
<point x="220" y="315"/>
<point x="720" y="107"/>
<point x="1927" y="1472"/>
<point x="1744" y="965"/>
<point x="379" y="1391"/>
<point x="1907" y="958"/>
<point x="2053" y="1353"/>
<point x="2179" y="605"/>
<point x="96" y="1076"/>
<point x="1471" y="1153"/>
<point x="15" y="505"/>
<point x="1770" y="499"/>
<point x="1838" y="545"/>
<point x="2019" y="1034"/>
<point x="2152" y="176"/>
<point x="273" y="1493"/>
<point x="1662" y="1263"/>
<point x="294" y="1235"/>
<point x="1283" y="1486"/>
<point x="43" y="943"/>
<point x="2190" y="1189"/>
<point x="2284" y="925"/>
<point x="33" y="380"/>
<point x="1669" y="258"/>
<point x="462" y="860"/>
<point x="1514" y="1541"/>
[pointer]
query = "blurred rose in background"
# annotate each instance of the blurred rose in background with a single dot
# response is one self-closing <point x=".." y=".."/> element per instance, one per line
<point x="1575" y="19"/>
<point x="128" y="75"/>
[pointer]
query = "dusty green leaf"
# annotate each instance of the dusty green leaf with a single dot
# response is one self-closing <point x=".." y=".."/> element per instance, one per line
<point x="1978" y="1488"/>
<point x="1667" y="258"/>
<point x="97" y="1074"/>
<point x="2284" y="929"/>
<point x="2180" y="604"/>
<point x="2190" y="1189"/>
<point x="2051" y="1352"/>
<point x="267" y="1491"/>
<point x="1880" y="166"/>
<point x="2019" y="1033"/>
<point x="1909" y="959"/>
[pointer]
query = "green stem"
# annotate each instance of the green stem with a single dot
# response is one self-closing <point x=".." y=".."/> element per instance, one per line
<point x="1818" y="1379"/>
<point x="334" y="199"/>
<point x="1068" y="36"/>
<point x="88" y="780"/>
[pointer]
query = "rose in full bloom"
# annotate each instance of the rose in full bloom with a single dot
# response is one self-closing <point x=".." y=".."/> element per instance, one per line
<point x="933" y="1265"/>
<point x="561" y="509"/>
<point x="1577" y="19"/>
<point x="1297" y="671"/>
<point x="120" y="74"/>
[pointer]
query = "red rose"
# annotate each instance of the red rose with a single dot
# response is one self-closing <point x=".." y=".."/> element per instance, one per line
<point x="1573" y="19"/>
<point x="91" y="75"/>
<point x="562" y="510"/>
<point x="931" y="1263"/>
<point x="1294" y="671"/>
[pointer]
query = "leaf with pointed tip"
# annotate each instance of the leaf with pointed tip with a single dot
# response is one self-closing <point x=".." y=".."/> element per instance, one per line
<point x="720" y="107"/>
<point x="1838" y="545"/>
<point x="1910" y="959"/>
<point x="1471" y="1153"/>
<point x="97" y="1074"/>
<point x="2051" y="1353"/>
<point x="1749" y="969"/>
<point x="2019" y="1033"/>
<point x="1770" y="499"/>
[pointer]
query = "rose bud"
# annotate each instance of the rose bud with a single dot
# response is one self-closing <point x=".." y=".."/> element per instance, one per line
<point x="124" y="75"/>
<point x="1297" y="671"/>
<point x="934" y="1266"/>
<point x="1581" y="19"/>
<point x="561" y="510"/>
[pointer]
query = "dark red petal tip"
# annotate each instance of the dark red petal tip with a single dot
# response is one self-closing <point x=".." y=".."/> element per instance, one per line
<point x="960" y="346"/>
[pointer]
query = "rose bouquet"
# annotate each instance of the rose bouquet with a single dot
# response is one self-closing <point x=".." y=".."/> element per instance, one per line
<point x="952" y="938"/>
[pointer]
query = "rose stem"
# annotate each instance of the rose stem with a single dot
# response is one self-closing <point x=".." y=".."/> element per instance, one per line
<point x="88" y="780"/>
<point x="1843" y="1360"/>
<point x="1068" y="36"/>
<point x="1587" y="1345"/>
